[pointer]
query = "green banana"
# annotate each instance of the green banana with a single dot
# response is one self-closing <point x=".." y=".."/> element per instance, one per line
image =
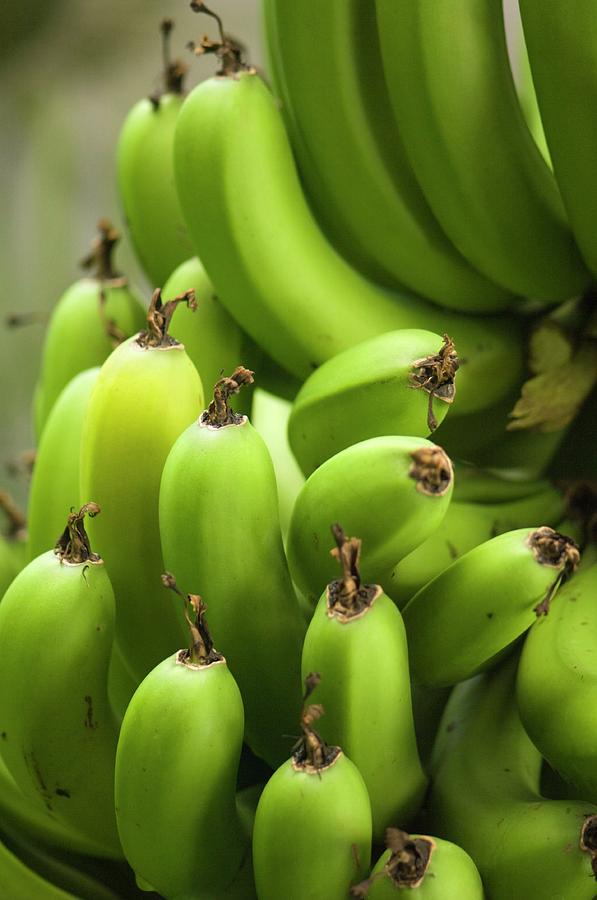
<point x="475" y="485"/>
<point x="312" y="833"/>
<point x="458" y="623"/>
<point x="130" y="426"/>
<point x="351" y="157"/>
<point x="19" y="882"/>
<point x="219" y="526"/>
<point x="58" y="733"/>
<point x="437" y="869"/>
<point x="13" y="542"/>
<point x="93" y="315"/>
<point x="485" y="797"/>
<point x="392" y="491"/>
<point x="145" y="171"/>
<point x="385" y="385"/>
<point x="466" y="525"/>
<point x="357" y="643"/>
<point x="55" y="480"/>
<point x="280" y="278"/>
<point x="455" y="104"/>
<point x="557" y="684"/>
<point x="562" y="46"/>
<point x="525" y="89"/>
<point x="176" y="767"/>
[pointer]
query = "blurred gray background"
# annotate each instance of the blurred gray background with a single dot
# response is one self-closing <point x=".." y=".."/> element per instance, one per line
<point x="70" y="70"/>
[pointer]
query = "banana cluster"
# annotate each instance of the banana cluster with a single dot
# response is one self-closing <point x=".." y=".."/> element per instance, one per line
<point x="332" y="436"/>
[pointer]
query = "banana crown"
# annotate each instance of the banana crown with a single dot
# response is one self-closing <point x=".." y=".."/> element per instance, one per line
<point x="407" y="864"/>
<point x="435" y="374"/>
<point x="202" y="651"/>
<point x="311" y="754"/>
<point x="550" y="548"/>
<point x="432" y="470"/>
<point x="219" y="411"/>
<point x="159" y="316"/>
<point x="73" y="547"/>
<point x="348" y="598"/>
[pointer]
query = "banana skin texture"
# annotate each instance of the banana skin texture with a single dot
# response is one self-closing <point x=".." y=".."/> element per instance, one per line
<point x="220" y="533"/>
<point x="130" y="426"/>
<point x="485" y="796"/>
<point x="288" y="288"/>
<point x="402" y="382"/>
<point x="454" y="100"/>
<point x="435" y="868"/>
<point x="351" y="157"/>
<point x="406" y="482"/>
<point x="562" y="46"/>
<point x="357" y="643"/>
<point x="55" y="479"/>
<point x="176" y="767"/>
<point x="459" y="622"/>
<point x="556" y="686"/>
<point x="58" y="732"/>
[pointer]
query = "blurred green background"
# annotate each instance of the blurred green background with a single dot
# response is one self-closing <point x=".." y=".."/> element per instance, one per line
<point x="69" y="73"/>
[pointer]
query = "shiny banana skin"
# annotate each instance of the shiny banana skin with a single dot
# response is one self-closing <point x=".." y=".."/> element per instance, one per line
<point x="458" y="623"/>
<point x="376" y="489"/>
<point x="455" y="103"/>
<point x="352" y="160"/>
<point x="219" y="525"/>
<point x="58" y="731"/>
<point x="486" y="798"/>
<point x="281" y="279"/>
<point x="356" y="641"/>
<point x="19" y="882"/>
<point x="312" y="832"/>
<point x="556" y="684"/>
<point x="466" y="525"/>
<point x="402" y="382"/>
<point x="562" y="44"/>
<point x="436" y="869"/>
<point x="144" y="398"/>
<point x="55" y="479"/>
<point x="176" y="766"/>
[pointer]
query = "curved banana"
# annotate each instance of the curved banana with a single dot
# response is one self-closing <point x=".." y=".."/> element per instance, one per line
<point x="472" y="611"/>
<point x="148" y="391"/>
<point x="392" y="491"/>
<point x="312" y="833"/>
<point x="466" y="525"/>
<point x="58" y="732"/>
<point x="485" y="797"/>
<point x="176" y="765"/>
<point x="90" y="318"/>
<point x="19" y="882"/>
<point x="562" y="44"/>
<point x="357" y="643"/>
<point x="55" y="479"/>
<point x="280" y="278"/>
<point x="455" y="104"/>
<point x="556" y="684"/>
<point x="351" y="157"/>
<point x="385" y="385"/>
<point x="145" y="171"/>
<point x="219" y="527"/>
<point x="437" y="869"/>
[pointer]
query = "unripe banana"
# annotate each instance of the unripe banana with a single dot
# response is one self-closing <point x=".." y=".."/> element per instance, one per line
<point x="146" y="394"/>
<point x="312" y="834"/>
<point x="145" y="170"/>
<point x="391" y="491"/>
<point x="280" y="278"/>
<point x="435" y="868"/>
<point x="55" y="479"/>
<point x="485" y="797"/>
<point x="475" y="485"/>
<point x="356" y="641"/>
<point x="385" y="385"/>
<point x="176" y="768"/>
<point x="219" y="527"/>
<point x="58" y="732"/>
<point x="472" y="611"/>
<point x="19" y="882"/>
<point x="556" y="685"/>
<point x="93" y="315"/>
<point x="465" y="526"/>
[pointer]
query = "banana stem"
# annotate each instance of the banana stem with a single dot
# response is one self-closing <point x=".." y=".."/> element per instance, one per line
<point x="202" y="651"/>
<point x="174" y="72"/>
<point x="311" y="753"/>
<point x="227" y="50"/>
<point x="73" y="544"/>
<point x="348" y="597"/>
<point x="435" y="374"/>
<point x="159" y="317"/>
<point x="219" y="412"/>
<point x="99" y="259"/>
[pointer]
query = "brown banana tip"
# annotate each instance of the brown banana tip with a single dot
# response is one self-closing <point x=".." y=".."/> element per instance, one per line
<point x="159" y="317"/>
<point x="435" y="374"/>
<point x="432" y="471"/>
<point x="347" y="597"/>
<point x="409" y="857"/>
<point x="219" y="412"/>
<point x="73" y="545"/>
